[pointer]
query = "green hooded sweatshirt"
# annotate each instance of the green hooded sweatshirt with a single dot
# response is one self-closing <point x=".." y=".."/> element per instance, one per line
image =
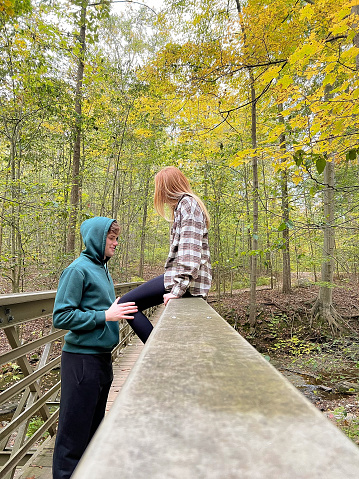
<point x="85" y="292"/>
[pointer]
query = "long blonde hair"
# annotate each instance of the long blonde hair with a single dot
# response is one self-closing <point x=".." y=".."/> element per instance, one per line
<point x="170" y="185"/>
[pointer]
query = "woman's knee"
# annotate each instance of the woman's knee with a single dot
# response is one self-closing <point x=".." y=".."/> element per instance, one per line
<point x="147" y="294"/>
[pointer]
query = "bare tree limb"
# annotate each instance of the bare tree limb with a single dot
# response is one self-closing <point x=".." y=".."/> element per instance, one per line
<point x="123" y="1"/>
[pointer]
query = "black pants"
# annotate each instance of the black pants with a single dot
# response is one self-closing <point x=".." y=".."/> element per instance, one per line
<point x="85" y="384"/>
<point x="145" y="296"/>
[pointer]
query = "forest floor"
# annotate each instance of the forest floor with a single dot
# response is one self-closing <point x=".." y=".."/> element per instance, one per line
<point x="324" y="366"/>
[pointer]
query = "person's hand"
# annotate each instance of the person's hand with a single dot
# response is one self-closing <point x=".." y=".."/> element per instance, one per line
<point x="168" y="296"/>
<point x="119" y="311"/>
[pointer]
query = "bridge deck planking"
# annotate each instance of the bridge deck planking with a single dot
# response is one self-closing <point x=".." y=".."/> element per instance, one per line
<point x="40" y="466"/>
<point x="202" y="403"/>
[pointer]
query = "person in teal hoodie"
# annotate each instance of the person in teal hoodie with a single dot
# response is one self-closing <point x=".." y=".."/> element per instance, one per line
<point x="87" y="307"/>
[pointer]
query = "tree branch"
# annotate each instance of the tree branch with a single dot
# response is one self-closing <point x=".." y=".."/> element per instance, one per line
<point x="123" y="1"/>
<point x="333" y="39"/>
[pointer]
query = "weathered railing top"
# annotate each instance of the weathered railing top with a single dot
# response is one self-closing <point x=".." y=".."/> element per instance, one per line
<point x="202" y="403"/>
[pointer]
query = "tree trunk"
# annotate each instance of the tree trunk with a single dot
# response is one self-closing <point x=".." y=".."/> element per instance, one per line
<point x="116" y="185"/>
<point x="287" y="284"/>
<point x="217" y="245"/>
<point x="355" y="10"/>
<point x="254" y="246"/>
<point x="15" y="241"/>
<point x="269" y="266"/>
<point x="252" y="305"/>
<point x="77" y="133"/>
<point x="3" y="207"/>
<point x="323" y="307"/>
<point x="247" y="233"/>
<point x="144" y="222"/>
<point x="309" y="220"/>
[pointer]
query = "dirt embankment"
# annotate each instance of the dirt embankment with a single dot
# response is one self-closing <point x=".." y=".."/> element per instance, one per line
<point x="325" y="367"/>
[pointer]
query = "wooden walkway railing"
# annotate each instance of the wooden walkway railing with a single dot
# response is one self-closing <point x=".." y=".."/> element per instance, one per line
<point x="40" y="464"/>
<point x="202" y="403"/>
<point x="27" y="396"/>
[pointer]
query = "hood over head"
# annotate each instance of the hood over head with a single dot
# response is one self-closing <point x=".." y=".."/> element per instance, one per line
<point x="94" y="234"/>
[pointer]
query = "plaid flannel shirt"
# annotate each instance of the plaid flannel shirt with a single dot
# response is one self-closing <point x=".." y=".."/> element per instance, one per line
<point x="188" y="266"/>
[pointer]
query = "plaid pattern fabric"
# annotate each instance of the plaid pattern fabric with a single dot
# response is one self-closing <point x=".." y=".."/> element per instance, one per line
<point x="188" y="266"/>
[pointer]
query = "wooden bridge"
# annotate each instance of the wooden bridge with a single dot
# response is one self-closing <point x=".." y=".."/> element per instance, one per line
<point x="200" y="402"/>
<point x="26" y="396"/>
<point x="40" y="465"/>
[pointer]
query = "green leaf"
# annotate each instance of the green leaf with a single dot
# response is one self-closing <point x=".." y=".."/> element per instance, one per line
<point x="313" y="191"/>
<point x="351" y="154"/>
<point x="298" y="157"/>
<point x="286" y="224"/>
<point x="320" y="164"/>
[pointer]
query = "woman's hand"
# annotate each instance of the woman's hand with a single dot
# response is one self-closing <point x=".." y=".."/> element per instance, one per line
<point x="119" y="311"/>
<point x="168" y="296"/>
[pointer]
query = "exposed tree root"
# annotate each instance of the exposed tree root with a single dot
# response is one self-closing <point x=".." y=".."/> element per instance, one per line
<point x="326" y="313"/>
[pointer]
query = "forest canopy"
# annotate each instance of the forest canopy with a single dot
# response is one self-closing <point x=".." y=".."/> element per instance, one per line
<point x="256" y="101"/>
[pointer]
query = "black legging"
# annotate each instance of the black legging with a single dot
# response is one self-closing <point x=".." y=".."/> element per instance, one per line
<point x="145" y="296"/>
